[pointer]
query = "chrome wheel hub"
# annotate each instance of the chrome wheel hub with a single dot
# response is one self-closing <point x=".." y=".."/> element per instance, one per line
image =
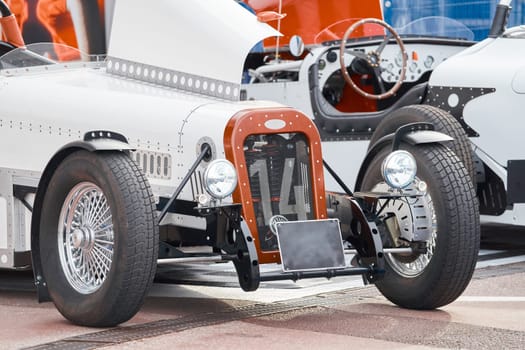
<point x="408" y="212"/>
<point x="83" y="238"/>
<point x="86" y="238"/>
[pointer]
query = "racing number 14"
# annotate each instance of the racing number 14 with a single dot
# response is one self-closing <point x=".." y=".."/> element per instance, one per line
<point x="300" y="208"/>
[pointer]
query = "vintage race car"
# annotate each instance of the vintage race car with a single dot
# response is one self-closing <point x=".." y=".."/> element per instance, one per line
<point x="444" y="79"/>
<point x="113" y="166"/>
<point x="355" y="73"/>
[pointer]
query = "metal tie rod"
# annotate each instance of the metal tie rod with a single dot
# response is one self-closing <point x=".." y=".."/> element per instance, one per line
<point x="294" y="276"/>
<point x="193" y="259"/>
<point x="221" y="258"/>
<point x="386" y="251"/>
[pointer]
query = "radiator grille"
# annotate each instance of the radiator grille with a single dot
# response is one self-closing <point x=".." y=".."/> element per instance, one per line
<point x="280" y="181"/>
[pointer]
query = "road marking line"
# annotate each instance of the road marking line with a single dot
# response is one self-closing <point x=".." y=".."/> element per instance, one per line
<point x="489" y="251"/>
<point x="491" y="299"/>
<point x="498" y="262"/>
<point x="262" y="295"/>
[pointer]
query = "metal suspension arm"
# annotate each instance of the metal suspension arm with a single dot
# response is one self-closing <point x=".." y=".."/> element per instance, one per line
<point x="206" y="149"/>
<point x="336" y="177"/>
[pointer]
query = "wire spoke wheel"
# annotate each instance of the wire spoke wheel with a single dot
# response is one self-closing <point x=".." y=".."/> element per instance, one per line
<point x="86" y="237"/>
<point x="98" y="238"/>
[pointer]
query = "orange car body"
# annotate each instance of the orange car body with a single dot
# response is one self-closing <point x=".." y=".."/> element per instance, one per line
<point x="308" y="18"/>
<point x="55" y="17"/>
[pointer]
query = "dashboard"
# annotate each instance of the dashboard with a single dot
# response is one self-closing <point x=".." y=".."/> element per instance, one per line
<point x="423" y="55"/>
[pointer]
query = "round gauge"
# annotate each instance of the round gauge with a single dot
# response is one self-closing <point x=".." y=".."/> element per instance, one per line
<point x="429" y="61"/>
<point x="399" y="59"/>
<point x="413" y="66"/>
<point x="296" y="45"/>
<point x="322" y="64"/>
<point x="331" y="56"/>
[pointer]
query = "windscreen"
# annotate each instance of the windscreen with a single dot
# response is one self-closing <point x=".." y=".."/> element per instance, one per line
<point x="434" y="26"/>
<point x="44" y="54"/>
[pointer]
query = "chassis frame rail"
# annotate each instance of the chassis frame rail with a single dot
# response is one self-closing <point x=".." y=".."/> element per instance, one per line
<point x="294" y="276"/>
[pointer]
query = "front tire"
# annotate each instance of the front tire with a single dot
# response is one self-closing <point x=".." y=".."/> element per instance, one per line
<point x="440" y="276"/>
<point x="99" y="238"/>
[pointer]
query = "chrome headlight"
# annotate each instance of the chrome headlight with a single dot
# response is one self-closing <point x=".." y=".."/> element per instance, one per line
<point x="220" y="178"/>
<point x="399" y="169"/>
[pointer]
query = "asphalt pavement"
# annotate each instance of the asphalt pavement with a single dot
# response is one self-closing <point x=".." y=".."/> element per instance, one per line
<point x="207" y="310"/>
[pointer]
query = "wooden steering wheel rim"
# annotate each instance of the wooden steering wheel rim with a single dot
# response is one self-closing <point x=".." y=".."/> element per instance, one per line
<point x="347" y="77"/>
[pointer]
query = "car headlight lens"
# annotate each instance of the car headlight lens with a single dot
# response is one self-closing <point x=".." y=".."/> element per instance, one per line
<point x="220" y="178"/>
<point x="399" y="169"/>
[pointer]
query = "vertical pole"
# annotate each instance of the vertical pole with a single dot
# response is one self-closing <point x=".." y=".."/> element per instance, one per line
<point x="279" y="30"/>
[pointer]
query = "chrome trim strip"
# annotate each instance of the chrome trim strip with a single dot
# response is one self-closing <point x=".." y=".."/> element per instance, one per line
<point x="174" y="79"/>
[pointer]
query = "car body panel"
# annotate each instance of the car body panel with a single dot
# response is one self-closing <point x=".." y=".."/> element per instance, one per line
<point x="228" y="33"/>
<point x="497" y="64"/>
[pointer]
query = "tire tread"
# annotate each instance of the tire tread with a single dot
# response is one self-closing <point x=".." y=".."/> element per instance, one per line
<point x="135" y="251"/>
<point x="143" y="230"/>
<point x="450" y="269"/>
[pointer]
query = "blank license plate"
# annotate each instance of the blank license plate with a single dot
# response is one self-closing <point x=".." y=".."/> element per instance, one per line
<point x="310" y="245"/>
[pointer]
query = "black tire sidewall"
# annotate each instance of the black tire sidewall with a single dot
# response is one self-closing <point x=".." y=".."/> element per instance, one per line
<point x="80" y="167"/>
<point x="412" y="292"/>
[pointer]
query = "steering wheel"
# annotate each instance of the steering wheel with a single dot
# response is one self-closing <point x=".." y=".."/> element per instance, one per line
<point x="373" y="59"/>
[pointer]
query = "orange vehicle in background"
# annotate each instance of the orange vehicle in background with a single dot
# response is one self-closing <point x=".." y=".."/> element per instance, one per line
<point x="19" y="9"/>
<point x="80" y="23"/>
<point x="76" y="23"/>
<point x="318" y="21"/>
<point x="309" y="18"/>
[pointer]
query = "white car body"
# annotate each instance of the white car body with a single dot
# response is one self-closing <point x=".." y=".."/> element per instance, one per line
<point x="480" y="84"/>
<point x="495" y="67"/>
<point x="297" y="91"/>
<point x="159" y="117"/>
